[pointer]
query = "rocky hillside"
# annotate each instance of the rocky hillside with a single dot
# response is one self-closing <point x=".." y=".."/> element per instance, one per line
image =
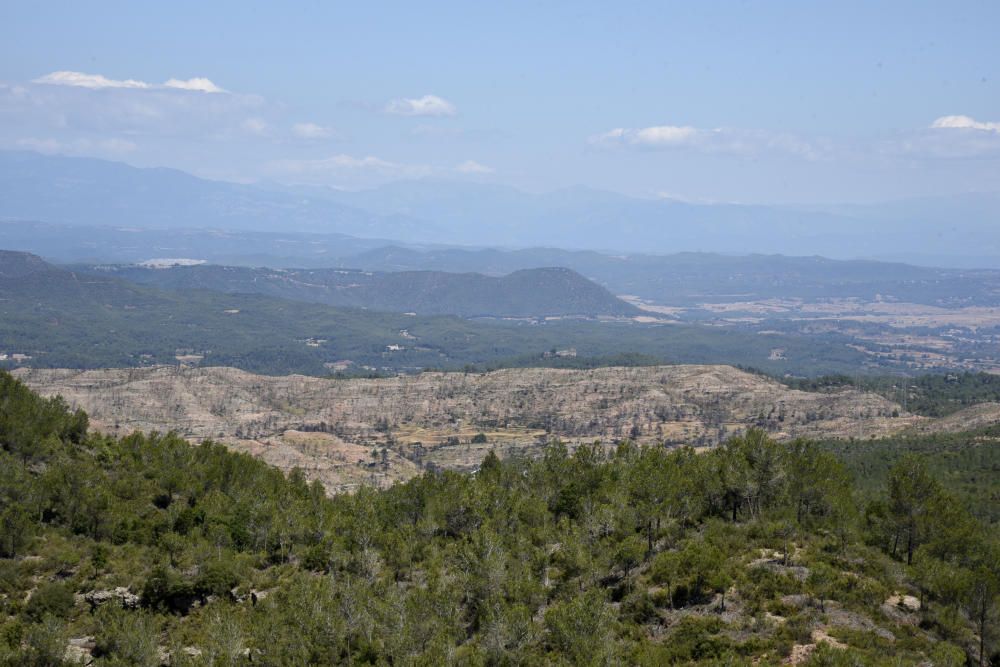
<point x="345" y="432"/>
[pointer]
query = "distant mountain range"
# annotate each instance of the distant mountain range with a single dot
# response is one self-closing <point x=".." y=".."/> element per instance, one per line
<point x="532" y="292"/>
<point x="950" y="230"/>
<point x="99" y="192"/>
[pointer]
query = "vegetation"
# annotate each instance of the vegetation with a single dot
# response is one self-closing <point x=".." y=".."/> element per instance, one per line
<point x="628" y="556"/>
<point x="527" y="293"/>
<point x="931" y="395"/>
<point x="966" y="464"/>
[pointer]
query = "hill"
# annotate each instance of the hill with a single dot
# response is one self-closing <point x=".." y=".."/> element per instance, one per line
<point x="330" y="428"/>
<point x="17" y="265"/>
<point x="146" y="549"/>
<point x="62" y="318"/>
<point x="525" y="293"/>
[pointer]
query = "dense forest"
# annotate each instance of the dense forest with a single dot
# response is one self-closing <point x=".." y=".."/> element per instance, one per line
<point x="146" y="550"/>
<point x="967" y="464"/>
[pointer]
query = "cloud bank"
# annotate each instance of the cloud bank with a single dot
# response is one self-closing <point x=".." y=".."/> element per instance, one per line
<point x="99" y="81"/>
<point x="964" y="123"/>
<point x="720" y="140"/>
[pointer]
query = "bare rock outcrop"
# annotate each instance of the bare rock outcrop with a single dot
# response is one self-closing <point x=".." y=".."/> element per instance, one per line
<point x="120" y="595"/>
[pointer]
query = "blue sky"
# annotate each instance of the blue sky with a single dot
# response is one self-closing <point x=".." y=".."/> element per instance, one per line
<point x="705" y="101"/>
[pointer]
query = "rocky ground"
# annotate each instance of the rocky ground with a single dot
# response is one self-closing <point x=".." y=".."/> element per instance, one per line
<point x="349" y="432"/>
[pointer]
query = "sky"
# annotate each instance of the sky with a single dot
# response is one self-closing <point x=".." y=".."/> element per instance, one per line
<point x="757" y="102"/>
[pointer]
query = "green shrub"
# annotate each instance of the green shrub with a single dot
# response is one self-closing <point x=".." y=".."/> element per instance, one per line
<point x="126" y="637"/>
<point x="45" y="643"/>
<point x="217" y="577"/>
<point x="166" y="590"/>
<point x="52" y="599"/>
<point x="698" y="638"/>
<point x="580" y="628"/>
<point x="638" y="607"/>
<point x="11" y="634"/>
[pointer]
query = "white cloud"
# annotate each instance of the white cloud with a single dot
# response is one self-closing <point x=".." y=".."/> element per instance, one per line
<point x="720" y="140"/>
<point x="94" y="81"/>
<point x="964" y="123"/>
<point x="311" y="131"/>
<point x="428" y="105"/>
<point x="666" y="135"/>
<point x="200" y="84"/>
<point x="99" y="81"/>
<point x="656" y="136"/>
<point x="473" y="167"/>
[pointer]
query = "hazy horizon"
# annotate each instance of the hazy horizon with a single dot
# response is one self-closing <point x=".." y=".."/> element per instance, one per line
<point x="773" y="104"/>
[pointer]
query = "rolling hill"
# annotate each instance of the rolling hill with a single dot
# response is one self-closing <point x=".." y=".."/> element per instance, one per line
<point x="542" y="292"/>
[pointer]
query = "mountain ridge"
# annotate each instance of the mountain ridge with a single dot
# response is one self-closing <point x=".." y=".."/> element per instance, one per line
<point x="89" y="191"/>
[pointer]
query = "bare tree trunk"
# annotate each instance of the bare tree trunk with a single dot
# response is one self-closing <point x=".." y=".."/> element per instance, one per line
<point x="649" y="538"/>
<point x="982" y="633"/>
<point x="909" y="546"/>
